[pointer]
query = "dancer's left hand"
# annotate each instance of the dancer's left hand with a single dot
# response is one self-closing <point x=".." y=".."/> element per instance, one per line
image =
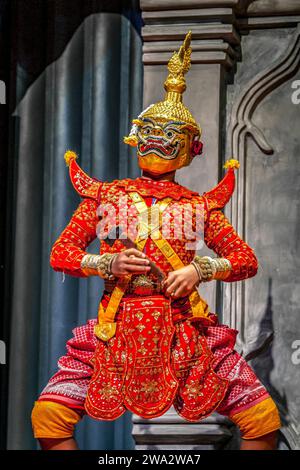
<point x="181" y="282"/>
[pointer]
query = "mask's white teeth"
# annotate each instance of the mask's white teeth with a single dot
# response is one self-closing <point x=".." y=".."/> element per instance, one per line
<point x="142" y="138"/>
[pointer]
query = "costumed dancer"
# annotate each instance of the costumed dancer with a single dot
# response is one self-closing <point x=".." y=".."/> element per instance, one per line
<point x="155" y="342"/>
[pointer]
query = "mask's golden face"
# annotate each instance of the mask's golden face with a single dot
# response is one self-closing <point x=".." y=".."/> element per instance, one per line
<point x="163" y="146"/>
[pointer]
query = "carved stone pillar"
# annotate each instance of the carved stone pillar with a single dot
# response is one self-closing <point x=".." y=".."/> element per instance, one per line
<point x="215" y="42"/>
<point x="243" y="51"/>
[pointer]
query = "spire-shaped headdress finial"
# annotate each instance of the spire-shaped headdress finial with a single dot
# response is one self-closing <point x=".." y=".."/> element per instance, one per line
<point x="178" y="66"/>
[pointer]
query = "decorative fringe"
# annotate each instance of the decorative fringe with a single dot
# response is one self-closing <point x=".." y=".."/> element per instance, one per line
<point x="70" y="155"/>
<point x="232" y="163"/>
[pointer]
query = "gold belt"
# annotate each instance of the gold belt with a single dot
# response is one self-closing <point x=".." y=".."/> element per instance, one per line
<point x="139" y="285"/>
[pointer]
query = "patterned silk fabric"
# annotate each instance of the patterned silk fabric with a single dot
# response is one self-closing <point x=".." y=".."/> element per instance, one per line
<point x="154" y="360"/>
<point x="219" y="235"/>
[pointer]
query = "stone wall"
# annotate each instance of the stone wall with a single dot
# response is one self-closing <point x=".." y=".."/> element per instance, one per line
<point x="245" y="63"/>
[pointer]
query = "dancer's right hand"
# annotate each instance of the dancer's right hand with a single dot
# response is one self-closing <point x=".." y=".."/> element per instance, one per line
<point x="130" y="261"/>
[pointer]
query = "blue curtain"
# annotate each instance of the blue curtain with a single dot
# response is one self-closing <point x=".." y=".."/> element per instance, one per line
<point x="83" y="101"/>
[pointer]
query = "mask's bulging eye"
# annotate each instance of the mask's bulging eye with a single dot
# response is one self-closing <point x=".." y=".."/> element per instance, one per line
<point x="146" y="130"/>
<point x="169" y="134"/>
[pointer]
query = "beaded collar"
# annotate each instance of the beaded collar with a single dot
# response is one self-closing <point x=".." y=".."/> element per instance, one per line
<point x="158" y="189"/>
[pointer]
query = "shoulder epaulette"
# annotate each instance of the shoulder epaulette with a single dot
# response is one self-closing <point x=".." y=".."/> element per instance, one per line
<point x="83" y="184"/>
<point x="219" y="196"/>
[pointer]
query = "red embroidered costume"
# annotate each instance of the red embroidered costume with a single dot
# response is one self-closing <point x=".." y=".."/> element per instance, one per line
<point x="147" y="351"/>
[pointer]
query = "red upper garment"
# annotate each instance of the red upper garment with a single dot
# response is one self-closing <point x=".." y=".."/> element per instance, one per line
<point x="219" y="235"/>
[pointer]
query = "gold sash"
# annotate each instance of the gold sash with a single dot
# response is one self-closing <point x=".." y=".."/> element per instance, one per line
<point x="199" y="306"/>
<point x="106" y="326"/>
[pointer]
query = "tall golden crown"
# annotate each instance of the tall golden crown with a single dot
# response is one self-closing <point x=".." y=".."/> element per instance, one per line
<point x="172" y="108"/>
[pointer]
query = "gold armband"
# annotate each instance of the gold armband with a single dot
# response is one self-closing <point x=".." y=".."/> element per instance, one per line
<point x="98" y="265"/>
<point x="211" y="268"/>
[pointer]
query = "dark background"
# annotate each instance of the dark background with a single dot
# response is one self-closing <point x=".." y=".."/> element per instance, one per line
<point x="33" y="35"/>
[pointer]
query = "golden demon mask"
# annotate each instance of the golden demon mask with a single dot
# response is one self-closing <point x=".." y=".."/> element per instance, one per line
<point x="166" y="134"/>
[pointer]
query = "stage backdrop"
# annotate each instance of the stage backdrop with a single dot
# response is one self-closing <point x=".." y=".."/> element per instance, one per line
<point x="82" y="99"/>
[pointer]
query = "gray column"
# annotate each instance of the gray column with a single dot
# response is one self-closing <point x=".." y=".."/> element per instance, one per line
<point x="214" y="44"/>
<point x="214" y="40"/>
<point x="245" y="62"/>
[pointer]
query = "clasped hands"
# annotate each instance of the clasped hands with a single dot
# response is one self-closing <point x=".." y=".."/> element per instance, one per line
<point x="179" y="283"/>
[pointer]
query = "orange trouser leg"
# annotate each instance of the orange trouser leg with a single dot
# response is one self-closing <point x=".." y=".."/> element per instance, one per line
<point x="53" y="421"/>
<point x="259" y="420"/>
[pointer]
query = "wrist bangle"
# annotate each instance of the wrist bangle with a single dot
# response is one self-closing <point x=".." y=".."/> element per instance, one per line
<point x="98" y="265"/>
<point x="204" y="267"/>
<point x="193" y="263"/>
<point x="109" y="271"/>
<point x="223" y="268"/>
<point x="209" y="268"/>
